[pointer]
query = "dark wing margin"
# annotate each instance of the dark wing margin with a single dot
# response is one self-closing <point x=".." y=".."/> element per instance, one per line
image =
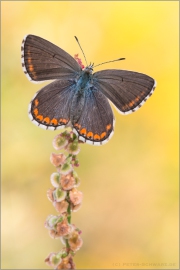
<point x="42" y="60"/>
<point x="50" y="107"/>
<point x="127" y="90"/>
<point x="96" y="123"/>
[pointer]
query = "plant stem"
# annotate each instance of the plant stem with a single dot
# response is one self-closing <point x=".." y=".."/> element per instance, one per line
<point x="69" y="210"/>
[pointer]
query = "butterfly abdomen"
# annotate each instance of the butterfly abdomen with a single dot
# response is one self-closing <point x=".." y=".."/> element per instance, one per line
<point x="77" y="106"/>
<point x="78" y="101"/>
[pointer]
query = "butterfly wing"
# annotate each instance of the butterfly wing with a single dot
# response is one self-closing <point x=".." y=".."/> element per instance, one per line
<point x="96" y="123"/>
<point x="127" y="90"/>
<point x="42" y="60"/>
<point x="50" y="108"/>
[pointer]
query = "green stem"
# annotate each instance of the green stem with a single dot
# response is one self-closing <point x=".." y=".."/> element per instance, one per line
<point x="67" y="246"/>
<point x="69" y="210"/>
<point x="68" y="218"/>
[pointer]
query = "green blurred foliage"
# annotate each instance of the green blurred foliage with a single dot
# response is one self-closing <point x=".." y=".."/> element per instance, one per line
<point x="130" y="185"/>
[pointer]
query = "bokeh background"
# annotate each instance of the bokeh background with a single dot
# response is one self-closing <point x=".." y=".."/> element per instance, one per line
<point x="129" y="216"/>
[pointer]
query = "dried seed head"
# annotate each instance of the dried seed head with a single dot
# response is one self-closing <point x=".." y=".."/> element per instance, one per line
<point x="73" y="147"/>
<point x="75" y="241"/>
<point x="76" y="207"/>
<point x="76" y="196"/>
<point x="63" y="228"/>
<point x="60" y="141"/>
<point x="50" y="194"/>
<point x="54" y="259"/>
<point x="67" y="181"/>
<point x="61" y="207"/>
<point x="53" y="234"/>
<point x="57" y="159"/>
<point x="51" y="221"/>
<point x="77" y="180"/>
<point x="66" y="168"/>
<point x="59" y="194"/>
<point x="55" y="179"/>
<point x="66" y="263"/>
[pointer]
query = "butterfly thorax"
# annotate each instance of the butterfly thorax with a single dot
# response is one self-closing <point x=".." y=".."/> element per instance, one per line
<point x="83" y="83"/>
<point x="84" y="78"/>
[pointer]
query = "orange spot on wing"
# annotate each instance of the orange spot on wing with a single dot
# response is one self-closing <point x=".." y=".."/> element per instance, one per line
<point x="83" y="131"/>
<point x="131" y="104"/>
<point x="31" y="68"/>
<point x="125" y="107"/>
<point x="143" y="93"/>
<point x="96" y="137"/>
<point x="40" y="117"/>
<point x="64" y="121"/>
<point x="78" y="126"/>
<point x="33" y="74"/>
<point x="54" y="122"/>
<point x="35" y="112"/>
<point x="90" y="134"/>
<point x="108" y="127"/>
<point x="103" y="135"/>
<point x="47" y="120"/>
<point x="36" y="102"/>
<point x="29" y="60"/>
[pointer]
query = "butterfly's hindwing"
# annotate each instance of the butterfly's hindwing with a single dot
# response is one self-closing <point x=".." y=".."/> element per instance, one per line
<point x="50" y="108"/>
<point x="126" y="89"/>
<point x="96" y="123"/>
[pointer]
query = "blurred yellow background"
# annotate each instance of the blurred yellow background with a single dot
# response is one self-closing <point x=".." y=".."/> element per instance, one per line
<point x="129" y="216"/>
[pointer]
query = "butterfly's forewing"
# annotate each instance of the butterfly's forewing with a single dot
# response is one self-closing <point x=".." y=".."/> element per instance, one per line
<point x="50" y="108"/>
<point x="42" y="60"/>
<point x="127" y="90"/>
<point x="96" y="123"/>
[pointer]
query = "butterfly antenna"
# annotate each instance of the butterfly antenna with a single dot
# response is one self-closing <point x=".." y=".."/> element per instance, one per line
<point x="81" y="49"/>
<point x="110" y="61"/>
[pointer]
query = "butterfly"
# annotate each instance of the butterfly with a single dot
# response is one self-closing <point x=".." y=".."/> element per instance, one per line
<point x="78" y="97"/>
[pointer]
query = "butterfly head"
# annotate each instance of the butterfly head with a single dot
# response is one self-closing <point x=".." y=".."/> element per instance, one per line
<point x="89" y="69"/>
